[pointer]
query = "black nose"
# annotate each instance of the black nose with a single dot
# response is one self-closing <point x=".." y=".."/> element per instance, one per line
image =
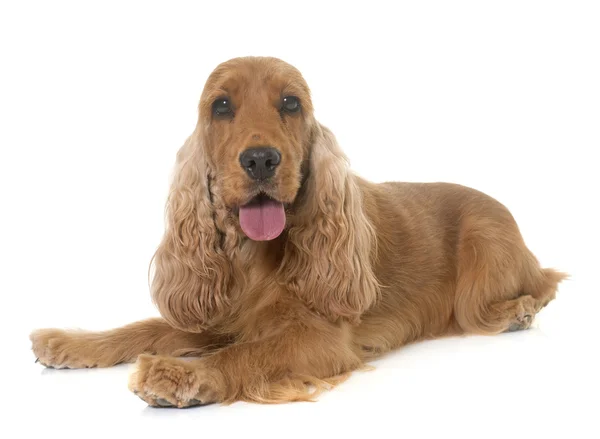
<point x="260" y="162"/>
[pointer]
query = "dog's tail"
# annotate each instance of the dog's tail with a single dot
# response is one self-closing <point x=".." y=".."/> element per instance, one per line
<point x="544" y="286"/>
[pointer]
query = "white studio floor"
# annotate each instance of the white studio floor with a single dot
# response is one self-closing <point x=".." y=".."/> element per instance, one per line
<point x="540" y="383"/>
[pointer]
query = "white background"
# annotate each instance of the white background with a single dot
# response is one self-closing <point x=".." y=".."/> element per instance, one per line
<point x="96" y="97"/>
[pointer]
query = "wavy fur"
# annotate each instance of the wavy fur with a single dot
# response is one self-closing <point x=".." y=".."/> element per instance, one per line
<point x="331" y="237"/>
<point x="361" y="268"/>
<point x="192" y="272"/>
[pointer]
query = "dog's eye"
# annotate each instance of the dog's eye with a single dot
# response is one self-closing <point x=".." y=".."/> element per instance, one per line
<point x="222" y="107"/>
<point x="291" y="104"/>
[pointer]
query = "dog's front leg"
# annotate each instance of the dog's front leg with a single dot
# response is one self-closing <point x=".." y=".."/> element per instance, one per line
<point x="282" y="367"/>
<point x="79" y="349"/>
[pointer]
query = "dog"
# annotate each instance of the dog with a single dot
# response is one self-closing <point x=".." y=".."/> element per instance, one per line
<point x="280" y="271"/>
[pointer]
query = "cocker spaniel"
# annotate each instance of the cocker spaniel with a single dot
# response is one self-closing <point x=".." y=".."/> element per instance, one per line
<point x="281" y="271"/>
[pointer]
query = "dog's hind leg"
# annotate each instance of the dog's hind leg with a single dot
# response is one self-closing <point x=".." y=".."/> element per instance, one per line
<point x="500" y="284"/>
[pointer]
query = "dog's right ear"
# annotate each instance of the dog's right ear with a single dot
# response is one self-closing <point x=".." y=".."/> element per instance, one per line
<point x="192" y="273"/>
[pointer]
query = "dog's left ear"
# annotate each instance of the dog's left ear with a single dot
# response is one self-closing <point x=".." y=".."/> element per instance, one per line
<point x="331" y="242"/>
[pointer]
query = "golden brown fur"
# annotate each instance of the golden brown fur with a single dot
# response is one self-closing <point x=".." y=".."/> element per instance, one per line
<point x="360" y="269"/>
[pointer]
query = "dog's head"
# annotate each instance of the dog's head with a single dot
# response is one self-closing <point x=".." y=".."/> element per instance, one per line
<point x="256" y="151"/>
<point x="255" y="124"/>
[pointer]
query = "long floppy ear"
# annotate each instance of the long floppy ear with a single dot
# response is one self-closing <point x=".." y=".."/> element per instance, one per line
<point x="331" y="244"/>
<point x="192" y="273"/>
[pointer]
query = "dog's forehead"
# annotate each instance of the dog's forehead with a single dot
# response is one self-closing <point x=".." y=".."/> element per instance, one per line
<point x="261" y="81"/>
<point x="242" y="75"/>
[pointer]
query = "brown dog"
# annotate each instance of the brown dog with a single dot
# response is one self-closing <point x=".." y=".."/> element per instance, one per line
<point x="282" y="271"/>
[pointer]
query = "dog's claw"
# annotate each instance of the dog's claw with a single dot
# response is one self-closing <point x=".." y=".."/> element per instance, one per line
<point x="37" y="360"/>
<point x="514" y="327"/>
<point x="194" y="402"/>
<point x="163" y="402"/>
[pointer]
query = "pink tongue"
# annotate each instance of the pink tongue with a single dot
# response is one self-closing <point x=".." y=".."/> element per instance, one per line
<point x="262" y="220"/>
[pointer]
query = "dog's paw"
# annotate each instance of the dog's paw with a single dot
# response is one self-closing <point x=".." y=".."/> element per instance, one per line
<point x="526" y="312"/>
<point x="171" y="382"/>
<point x="59" y="349"/>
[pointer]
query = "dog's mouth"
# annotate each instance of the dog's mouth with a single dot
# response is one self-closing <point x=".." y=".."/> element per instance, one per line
<point x="262" y="218"/>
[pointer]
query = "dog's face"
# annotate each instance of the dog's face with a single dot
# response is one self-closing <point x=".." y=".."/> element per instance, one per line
<point x="256" y="148"/>
<point x="256" y="113"/>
